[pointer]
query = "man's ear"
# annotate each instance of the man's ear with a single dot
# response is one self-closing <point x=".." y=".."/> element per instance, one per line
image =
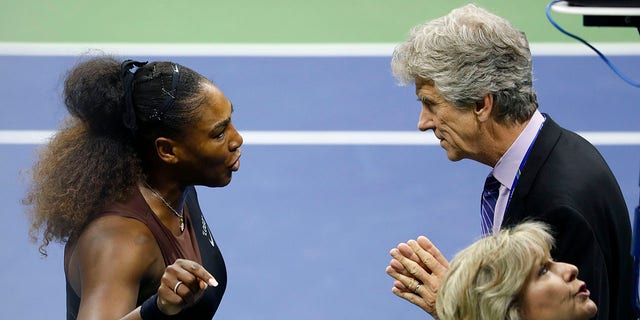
<point x="484" y="107"/>
<point x="165" y="148"/>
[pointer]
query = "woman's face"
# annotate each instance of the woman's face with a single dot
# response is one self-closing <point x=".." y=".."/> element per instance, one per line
<point x="209" y="152"/>
<point x="553" y="291"/>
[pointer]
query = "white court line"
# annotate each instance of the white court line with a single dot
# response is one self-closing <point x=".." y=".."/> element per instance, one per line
<point x="390" y="138"/>
<point x="276" y="49"/>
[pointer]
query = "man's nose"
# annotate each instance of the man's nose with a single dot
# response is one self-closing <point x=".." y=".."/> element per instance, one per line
<point x="425" y="122"/>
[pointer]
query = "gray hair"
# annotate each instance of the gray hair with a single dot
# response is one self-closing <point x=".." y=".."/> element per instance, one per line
<point x="486" y="280"/>
<point x="470" y="53"/>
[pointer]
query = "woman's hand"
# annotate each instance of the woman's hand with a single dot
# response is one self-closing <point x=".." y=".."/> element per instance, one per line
<point x="182" y="284"/>
<point x="419" y="269"/>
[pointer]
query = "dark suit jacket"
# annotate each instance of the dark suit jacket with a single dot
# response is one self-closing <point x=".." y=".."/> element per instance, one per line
<point x="567" y="184"/>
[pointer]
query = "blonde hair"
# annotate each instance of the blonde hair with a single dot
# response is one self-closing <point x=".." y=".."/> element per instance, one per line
<point x="485" y="280"/>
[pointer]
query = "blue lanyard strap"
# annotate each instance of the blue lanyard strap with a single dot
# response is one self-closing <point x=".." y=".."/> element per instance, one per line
<point x="522" y="163"/>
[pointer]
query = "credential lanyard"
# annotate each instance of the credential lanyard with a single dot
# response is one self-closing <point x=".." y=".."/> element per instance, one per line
<point x="522" y="163"/>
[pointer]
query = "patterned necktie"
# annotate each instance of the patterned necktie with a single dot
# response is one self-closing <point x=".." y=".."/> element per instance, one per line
<point x="488" y="203"/>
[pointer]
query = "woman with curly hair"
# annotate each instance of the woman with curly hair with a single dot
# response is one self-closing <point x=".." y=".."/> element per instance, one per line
<point x="116" y="186"/>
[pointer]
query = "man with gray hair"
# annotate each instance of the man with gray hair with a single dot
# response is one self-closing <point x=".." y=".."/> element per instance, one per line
<point x="472" y="72"/>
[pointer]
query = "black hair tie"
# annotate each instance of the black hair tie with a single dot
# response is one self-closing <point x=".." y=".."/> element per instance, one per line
<point x="170" y="96"/>
<point x="129" y="116"/>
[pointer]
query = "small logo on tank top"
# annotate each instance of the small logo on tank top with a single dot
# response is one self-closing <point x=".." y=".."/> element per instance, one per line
<point x="206" y="232"/>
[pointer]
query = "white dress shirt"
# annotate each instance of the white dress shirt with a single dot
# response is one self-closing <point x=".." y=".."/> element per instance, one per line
<point x="507" y="167"/>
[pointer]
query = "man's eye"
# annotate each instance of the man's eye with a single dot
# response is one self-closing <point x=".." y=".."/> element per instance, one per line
<point x="427" y="104"/>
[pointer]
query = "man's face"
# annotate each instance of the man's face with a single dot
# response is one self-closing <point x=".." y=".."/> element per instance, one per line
<point x="456" y="129"/>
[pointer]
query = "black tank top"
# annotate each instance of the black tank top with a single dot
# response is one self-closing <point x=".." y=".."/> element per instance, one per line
<point x="196" y="244"/>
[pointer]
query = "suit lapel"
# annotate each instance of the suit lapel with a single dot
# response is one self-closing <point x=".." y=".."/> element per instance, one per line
<point x="542" y="147"/>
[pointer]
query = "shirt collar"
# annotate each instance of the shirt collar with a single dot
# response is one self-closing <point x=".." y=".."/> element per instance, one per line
<point x="507" y="167"/>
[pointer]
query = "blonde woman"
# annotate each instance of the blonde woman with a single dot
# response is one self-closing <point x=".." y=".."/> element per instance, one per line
<point x="508" y="275"/>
